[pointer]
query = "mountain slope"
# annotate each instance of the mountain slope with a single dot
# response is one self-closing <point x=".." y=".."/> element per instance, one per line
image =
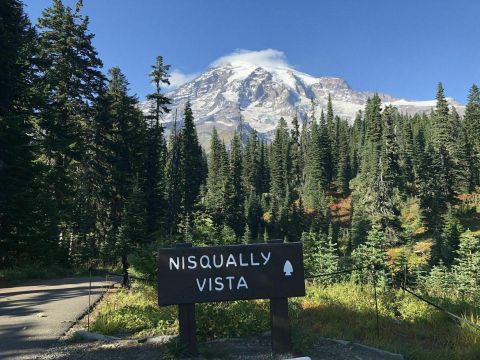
<point x="258" y="95"/>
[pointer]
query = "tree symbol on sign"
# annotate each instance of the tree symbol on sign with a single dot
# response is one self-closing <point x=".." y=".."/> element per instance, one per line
<point x="288" y="268"/>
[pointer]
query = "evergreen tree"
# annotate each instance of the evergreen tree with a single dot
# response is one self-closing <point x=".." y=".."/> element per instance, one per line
<point x="235" y="211"/>
<point x="264" y="174"/>
<point x="313" y="195"/>
<point x="458" y="153"/>
<point x="408" y="161"/>
<point x="280" y="163"/>
<point x="325" y="153"/>
<point x="372" y="253"/>
<point x="159" y="102"/>
<point x="71" y="81"/>
<point x="467" y="265"/>
<point x="320" y="255"/>
<point x="26" y="212"/>
<point x="434" y="186"/>
<point x="174" y="181"/>
<point x="472" y="127"/>
<point x="297" y="156"/>
<point x="118" y="154"/>
<point x="192" y="168"/>
<point x="154" y="182"/>
<point x="133" y="229"/>
<point x="247" y="235"/>
<point x="440" y="281"/>
<point x="440" y="120"/>
<point x="450" y="237"/>
<point x="343" y="160"/>
<point x="391" y="169"/>
<point x="216" y="179"/>
<point x="331" y="139"/>
<point x="251" y="164"/>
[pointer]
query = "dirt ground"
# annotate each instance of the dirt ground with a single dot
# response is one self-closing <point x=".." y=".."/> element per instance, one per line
<point x="255" y="348"/>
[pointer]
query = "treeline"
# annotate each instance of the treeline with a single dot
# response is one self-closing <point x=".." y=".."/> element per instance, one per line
<point x="86" y="176"/>
<point x="83" y="172"/>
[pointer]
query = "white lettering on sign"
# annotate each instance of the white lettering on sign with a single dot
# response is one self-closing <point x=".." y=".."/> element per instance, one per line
<point x="220" y="283"/>
<point x="266" y="258"/>
<point x="231" y="261"/>
<point x="205" y="262"/>
<point x="192" y="262"/>
<point x="175" y="264"/>
<point x="218" y="261"/>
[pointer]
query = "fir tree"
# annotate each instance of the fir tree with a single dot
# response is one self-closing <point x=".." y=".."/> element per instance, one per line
<point x="297" y="156"/>
<point x="27" y="215"/>
<point x="235" y="212"/>
<point x="450" y="237"/>
<point x="216" y="179"/>
<point x="174" y="181"/>
<point x="326" y="163"/>
<point x="408" y="161"/>
<point x="247" y="235"/>
<point x="440" y="120"/>
<point x="154" y="182"/>
<point x="251" y="164"/>
<point x="391" y="170"/>
<point x="118" y="154"/>
<point x="472" y="127"/>
<point x="372" y="253"/>
<point x="343" y="160"/>
<point x="192" y="171"/>
<point x="440" y="281"/>
<point x="313" y="195"/>
<point x="71" y="80"/>
<point x="280" y="163"/>
<point x="133" y="231"/>
<point x="467" y="265"/>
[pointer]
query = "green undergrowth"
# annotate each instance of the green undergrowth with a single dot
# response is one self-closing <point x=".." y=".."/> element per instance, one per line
<point x="32" y="271"/>
<point x="341" y="311"/>
<point x="19" y="274"/>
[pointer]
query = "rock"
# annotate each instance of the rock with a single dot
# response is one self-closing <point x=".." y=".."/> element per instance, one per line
<point x="162" y="339"/>
<point x="41" y="315"/>
<point x="91" y="336"/>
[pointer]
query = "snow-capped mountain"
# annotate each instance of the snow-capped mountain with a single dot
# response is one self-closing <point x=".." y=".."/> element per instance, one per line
<point x="260" y="92"/>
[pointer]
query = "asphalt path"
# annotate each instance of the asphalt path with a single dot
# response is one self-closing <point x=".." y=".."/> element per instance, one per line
<point x="33" y="316"/>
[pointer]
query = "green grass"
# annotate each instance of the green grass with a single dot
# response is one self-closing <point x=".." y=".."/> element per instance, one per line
<point x="341" y="311"/>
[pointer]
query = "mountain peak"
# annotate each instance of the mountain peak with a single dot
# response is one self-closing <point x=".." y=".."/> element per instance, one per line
<point x="257" y="88"/>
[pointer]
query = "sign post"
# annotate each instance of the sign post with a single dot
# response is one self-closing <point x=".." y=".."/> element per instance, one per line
<point x="186" y="321"/>
<point x="279" y="321"/>
<point x="280" y="326"/>
<point x="189" y="275"/>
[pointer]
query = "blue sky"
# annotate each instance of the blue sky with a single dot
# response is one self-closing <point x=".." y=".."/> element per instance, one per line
<point x="399" y="47"/>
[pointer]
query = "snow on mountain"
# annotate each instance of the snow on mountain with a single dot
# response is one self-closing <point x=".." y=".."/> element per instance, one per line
<point x="260" y="87"/>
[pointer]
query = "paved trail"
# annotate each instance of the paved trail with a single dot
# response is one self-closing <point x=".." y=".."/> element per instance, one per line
<point x="35" y="315"/>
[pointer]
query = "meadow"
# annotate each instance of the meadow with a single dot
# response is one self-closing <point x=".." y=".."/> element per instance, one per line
<point x="344" y="311"/>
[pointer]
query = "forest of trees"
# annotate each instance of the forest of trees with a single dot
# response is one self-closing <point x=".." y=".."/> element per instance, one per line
<point x="86" y="176"/>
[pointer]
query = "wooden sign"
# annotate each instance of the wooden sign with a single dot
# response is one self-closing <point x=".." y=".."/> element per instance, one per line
<point x="188" y="275"/>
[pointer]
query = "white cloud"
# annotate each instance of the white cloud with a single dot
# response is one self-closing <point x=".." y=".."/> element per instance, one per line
<point x="268" y="58"/>
<point x="178" y="78"/>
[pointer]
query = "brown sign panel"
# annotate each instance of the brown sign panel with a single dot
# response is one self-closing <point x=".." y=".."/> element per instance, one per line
<point x="188" y="275"/>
